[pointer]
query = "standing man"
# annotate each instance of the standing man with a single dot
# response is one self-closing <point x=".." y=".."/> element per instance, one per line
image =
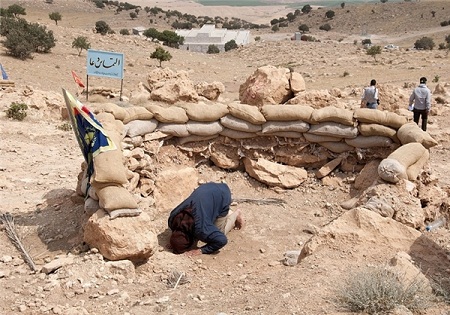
<point x="421" y="98"/>
<point x="369" y="98"/>
<point x="204" y="216"/>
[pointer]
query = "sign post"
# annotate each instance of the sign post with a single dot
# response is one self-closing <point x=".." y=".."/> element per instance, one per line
<point x="104" y="64"/>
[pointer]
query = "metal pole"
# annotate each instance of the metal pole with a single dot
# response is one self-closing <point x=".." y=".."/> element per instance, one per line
<point x="87" y="87"/>
<point x="121" y="87"/>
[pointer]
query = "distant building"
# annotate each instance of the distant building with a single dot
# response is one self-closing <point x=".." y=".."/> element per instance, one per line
<point x="198" y="40"/>
<point x="139" y="30"/>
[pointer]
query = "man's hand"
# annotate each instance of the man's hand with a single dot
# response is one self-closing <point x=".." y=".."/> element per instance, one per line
<point x="193" y="252"/>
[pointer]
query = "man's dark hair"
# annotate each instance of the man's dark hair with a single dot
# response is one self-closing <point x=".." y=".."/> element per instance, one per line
<point x="182" y="227"/>
<point x="373" y="82"/>
<point x="423" y="80"/>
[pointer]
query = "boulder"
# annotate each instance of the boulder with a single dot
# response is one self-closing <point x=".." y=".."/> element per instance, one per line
<point x="274" y="174"/>
<point x="129" y="238"/>
<point x="211" y="91"/>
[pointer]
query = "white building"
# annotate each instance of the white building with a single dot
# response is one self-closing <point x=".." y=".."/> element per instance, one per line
<point x="198" y="40"/>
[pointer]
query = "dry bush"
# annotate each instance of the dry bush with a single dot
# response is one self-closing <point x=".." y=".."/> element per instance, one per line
<point x="380" y="289"/>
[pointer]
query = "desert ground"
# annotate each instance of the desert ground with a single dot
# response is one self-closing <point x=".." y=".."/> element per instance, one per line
<point x="40" y="162"/>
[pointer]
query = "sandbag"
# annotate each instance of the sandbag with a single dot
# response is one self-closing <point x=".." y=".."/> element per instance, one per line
<point x="115" y="197"/>
<point x="246" y="112"/>
<point x="333" y="114"/>
<point x="334" y="130"/>
<point x="140" y="127"/>
<point x="114" y="109"/>
<point x="176" y="130"/>
<point x="284" y="134"/>
<point x="395" y="166"/>
<point x="337" y="147"/>
<point x="392" y="170"/>
<point x="368" y="130"/>
<point x="277" y="126"/>
<point x="205" y="113"/>
<point x="287" y="112"/>
<point x="318" y="138"/>
<point x="172" y="114"/>
<point x="204" y="128"/>
<point x="369" y="142"/>
<point x="411" y="132"/>
<point x="415" y="169"/>
<point x="234" y="123"/>
<point x="375" y="116"/>
<point x="137" y="112"/>
<point x="195" y="138"/>
<point x="236" y="134"/>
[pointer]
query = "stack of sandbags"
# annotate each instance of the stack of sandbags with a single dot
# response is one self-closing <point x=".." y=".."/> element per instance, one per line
<point x="109" y="177"/>
<point x="404" y="163"/>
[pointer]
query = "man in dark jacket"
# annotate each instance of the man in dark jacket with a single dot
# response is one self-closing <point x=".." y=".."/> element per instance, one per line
<point x="205" y="215"/>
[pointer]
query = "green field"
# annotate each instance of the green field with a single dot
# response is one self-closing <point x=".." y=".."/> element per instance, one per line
<point x="294" y="4"/>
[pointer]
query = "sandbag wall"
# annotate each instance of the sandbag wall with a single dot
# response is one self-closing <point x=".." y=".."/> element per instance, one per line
<point x="295" y="135"/>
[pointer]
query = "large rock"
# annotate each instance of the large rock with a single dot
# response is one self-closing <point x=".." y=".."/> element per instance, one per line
<point x="274" y="174"/>
<point x="270" y="85"/>
<point x="129" y="238"/>
<point x="211" y="91"/>
<point x="173" y="186"/>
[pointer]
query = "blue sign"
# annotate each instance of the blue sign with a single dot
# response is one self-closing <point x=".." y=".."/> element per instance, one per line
<point x="105" y="64"/>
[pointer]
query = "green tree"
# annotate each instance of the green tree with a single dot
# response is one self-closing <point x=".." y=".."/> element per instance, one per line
<point x="383" y="1"/>
<point x="230" y="45"/>
<point x="213" y="49"/>
<point x="275" y="28"/>
<point x="4" y="12"/>
<point x="426" y="43"/>
<point x="329" y="14"/>
<point x="16" y="10"/>
<point x="152" y="33"/>
<point x="290" y="16"/>
<point x="171" y="39"/>
<point x="161" y="55"/>
<point x="81" y="43"/>
<point x="303" y="28"/>
<point x="374" y="51"/>
<point x="306" y="9"/>
<point x="23" y="38"/>
<point x="274" y="21"/>
<point x="102" y="27"/>
<point x="133" y="15"/>
<point x="55" y="16"/>
<point x="343" y="5"/>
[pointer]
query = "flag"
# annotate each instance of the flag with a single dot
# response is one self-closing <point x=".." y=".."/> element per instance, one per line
<point x="4" y="75"/>
<point x="91" y="136"/>
<point x="77" y="79"/>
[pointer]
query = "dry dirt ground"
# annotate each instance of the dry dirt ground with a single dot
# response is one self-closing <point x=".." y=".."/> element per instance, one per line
<point x="39" y="164"/>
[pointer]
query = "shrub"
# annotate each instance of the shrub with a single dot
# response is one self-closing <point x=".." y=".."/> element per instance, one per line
<point x="366" y="41"/>
<point x="275" y="28"/>
<point x="257" y="38"/>
<point x="16" y="10"/>
<point x="81" y="43"/>
<point x="65" y="127"/>
<point x="426" y="43"/>
<point x="447" y="39"/>
<point x="99" y="4"/>
<point x="213" y="49"/>
<point x="444" y="23"/>
<point x="17" y="111"/>
<point x="124" y="31"/>
<point x="102" y="27"/>
<point x="274" y="21"/>
<point x="55" y="16"/>
<point x="378" y="290"/>
<point x="307" y="38"/>
<point x="325" y="27"/>
<point x="306" y="9"/>
<point x="329" y="14"/>
<point x="436" y="78"/>
<point x="161" y="54"/>
<point x="346" y="74"/>
<point x="441" y="100"/>
<point x="133" y="15"/>
<point x="374" y="51"/>
<point x="303" y="28"/>
<point x="283" y="24"/>
<point x="230" y="45"/>
<point x="23" y="38"/>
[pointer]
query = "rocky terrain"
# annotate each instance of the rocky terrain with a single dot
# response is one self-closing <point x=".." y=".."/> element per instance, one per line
<point x="40" y="161"/>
